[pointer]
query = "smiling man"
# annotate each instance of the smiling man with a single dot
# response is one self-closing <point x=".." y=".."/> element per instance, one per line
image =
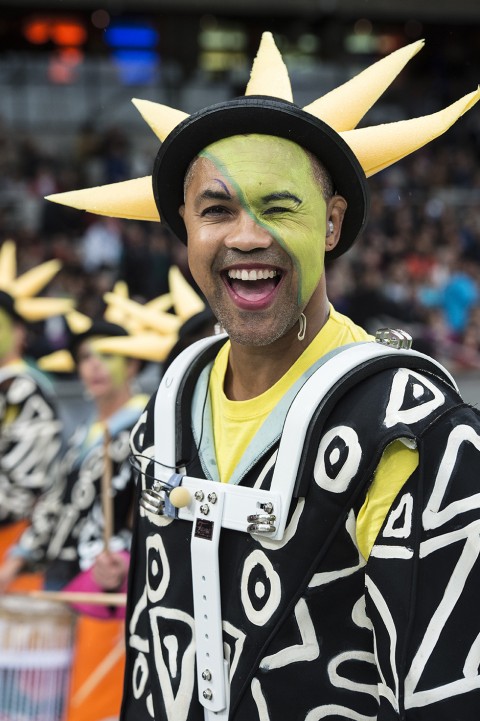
<point x="306" y="539"/>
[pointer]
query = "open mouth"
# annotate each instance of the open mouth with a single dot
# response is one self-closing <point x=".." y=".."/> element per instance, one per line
<point x="253" y="287"/>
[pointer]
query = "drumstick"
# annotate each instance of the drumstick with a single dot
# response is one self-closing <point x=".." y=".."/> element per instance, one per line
<point x="107" y="599"/>
<point x="106" y="490"/>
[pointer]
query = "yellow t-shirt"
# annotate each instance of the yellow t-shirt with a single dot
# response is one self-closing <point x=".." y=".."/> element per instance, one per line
<point x="235" y="423"/>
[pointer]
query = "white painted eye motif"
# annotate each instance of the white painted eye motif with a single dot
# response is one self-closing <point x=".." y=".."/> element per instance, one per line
<point x="260" y="589"/>
<point x="338" y="458"/>
<point x="158" y="569"/>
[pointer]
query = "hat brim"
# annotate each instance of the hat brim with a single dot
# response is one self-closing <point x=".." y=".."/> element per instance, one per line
<point x="99" y="327"/>
<point x="267" y="116"/>
<point x="7" y="303"/>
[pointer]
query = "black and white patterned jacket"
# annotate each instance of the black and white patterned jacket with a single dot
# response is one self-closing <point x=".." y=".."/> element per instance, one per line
<point x="311" y="630"/>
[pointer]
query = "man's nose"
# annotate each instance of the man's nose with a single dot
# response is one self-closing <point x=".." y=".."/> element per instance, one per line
<point x="247" y="234"/>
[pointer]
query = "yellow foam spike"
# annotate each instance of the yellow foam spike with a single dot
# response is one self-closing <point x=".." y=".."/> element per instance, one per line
<point x="269" y="74"/>
<point x="145" y="346"/>
<point x="31" y="282"/>
<point x="186" y="302"/>
<point x="114" y="314"/>
<point x="379" y="146"/>
<point x="130" y="199"/>
<point x="163" y="303"/>
<point x="344" y="107"/>
<point x="8" y="264"/>
<point x="78" y="322"/>
<point x="163" y="323"/>
<point x="35" y="309"/>
<point x="161" y="118"/>
<point x="121" y="288"/>
<point x="61" y="361"/>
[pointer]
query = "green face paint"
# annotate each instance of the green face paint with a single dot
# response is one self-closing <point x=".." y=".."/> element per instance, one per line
<point x="6" y="333"/>
<point x="117" y="368"/>
<point x="115" y="365"/>
<point x="274" y="180"/>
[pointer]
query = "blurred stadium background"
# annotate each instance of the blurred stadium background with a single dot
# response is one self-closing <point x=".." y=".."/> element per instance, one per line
<point x="68" y="70"/>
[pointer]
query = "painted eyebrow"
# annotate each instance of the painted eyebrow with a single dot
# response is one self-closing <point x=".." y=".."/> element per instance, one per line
<point x="210" y="194"/>
<point x="282" y="195"/>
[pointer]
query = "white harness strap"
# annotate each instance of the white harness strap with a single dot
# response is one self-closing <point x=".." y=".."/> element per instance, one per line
<point x="211" y="665"/>
<point x="211" y="506"/>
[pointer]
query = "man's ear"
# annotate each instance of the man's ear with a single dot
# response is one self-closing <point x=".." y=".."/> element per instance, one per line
<point x="336" y="208"/>
<point x="181" y="211"/>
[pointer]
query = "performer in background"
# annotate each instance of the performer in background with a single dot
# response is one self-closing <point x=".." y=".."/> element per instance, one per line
<point x="30" y="427"/>
<point x="80" y="532"/>
<point x="354" y="596"/>
<point x="81" y="528"/>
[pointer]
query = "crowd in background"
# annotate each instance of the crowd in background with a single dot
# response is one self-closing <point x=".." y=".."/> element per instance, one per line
<point x="417" y="266"/>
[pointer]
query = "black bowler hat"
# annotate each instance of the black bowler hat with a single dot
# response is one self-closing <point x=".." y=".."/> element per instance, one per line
<point x="265" y="116"/>
<point x="7" y="303"/>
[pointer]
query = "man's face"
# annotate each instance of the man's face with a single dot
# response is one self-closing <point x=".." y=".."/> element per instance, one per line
<point x="6" y="333"/>
<point x="255" y="217"/>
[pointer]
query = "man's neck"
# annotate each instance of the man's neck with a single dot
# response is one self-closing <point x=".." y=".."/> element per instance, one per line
<point x="252" y="370"/>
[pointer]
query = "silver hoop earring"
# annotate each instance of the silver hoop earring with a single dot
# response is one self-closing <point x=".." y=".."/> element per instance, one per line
<point x="303" y="326"/>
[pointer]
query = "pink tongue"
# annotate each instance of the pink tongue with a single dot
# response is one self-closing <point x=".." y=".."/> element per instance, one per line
<point x="253" y="289"/>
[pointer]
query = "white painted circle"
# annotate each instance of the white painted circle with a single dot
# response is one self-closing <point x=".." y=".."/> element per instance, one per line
<point x="262" y="615"/>
<point x="156" y="566"/>
<point x="139" y="675"/>
<point x="341" y="482"/>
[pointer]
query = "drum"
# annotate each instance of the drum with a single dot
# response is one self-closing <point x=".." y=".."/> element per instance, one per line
<point x="36" y="646"/>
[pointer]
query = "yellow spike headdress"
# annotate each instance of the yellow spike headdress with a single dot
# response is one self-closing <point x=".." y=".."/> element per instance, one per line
<point x="16" y="293"/>
<point x="326" y="127"/>
<point x="135" y="330"/>
<point x="81" y="327"/>
<point x="153" y="331"/>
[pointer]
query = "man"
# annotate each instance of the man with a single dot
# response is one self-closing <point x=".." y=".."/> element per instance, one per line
<point x="348" y="590"/>
<point x="30" y="429"/>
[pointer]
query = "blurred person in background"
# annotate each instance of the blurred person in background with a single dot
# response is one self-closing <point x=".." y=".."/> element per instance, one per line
<point x="67" y="534"/>
<point x="30" y="427"/>
<point x="80" y="530"/>
<point x="460" y="294"/>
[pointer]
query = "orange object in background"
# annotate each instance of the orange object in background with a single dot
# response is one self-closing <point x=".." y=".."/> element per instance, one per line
<point x="97" y="672"/>
<point x="9" y="535"/>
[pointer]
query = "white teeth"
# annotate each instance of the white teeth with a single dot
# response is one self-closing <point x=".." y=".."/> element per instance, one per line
<point x="244" y="274"/>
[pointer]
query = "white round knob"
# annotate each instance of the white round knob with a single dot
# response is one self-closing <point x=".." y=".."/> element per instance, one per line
<point x="180" y="497"/>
